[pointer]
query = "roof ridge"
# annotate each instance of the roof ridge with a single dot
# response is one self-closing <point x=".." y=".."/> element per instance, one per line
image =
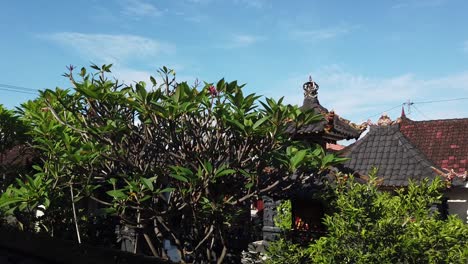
<point x="432" y="120"/>
<point x="415" y="150"/>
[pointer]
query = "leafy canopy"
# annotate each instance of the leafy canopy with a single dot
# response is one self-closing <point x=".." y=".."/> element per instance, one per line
<point x="169" y="160"/>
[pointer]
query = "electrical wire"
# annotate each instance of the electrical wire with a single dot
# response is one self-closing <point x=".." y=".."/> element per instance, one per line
<point x="422" y="102"/>
<point x="15" y="87"/>
<point x="421" y="113"/>
<point x="15" y="91"/>
<point x="400" y="105"/>
<point x="438" y="101"/>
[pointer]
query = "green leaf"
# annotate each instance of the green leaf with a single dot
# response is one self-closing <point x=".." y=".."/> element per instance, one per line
<point x="37" y="167"/>
<point x="178" y="177"/>
<point x="208" y="167"/>
<point x="141" y="90"/>
<point x="148" y="183"/>
<point x="94" y="66"/>
<point x="78" y="198"/>
<point x="298" y="158"/>
<point x="146" y="197"/>
<point x="166" y="190"/>
<point x="153" y="81"/>
<point x="117" y="194"/>
<point x="10" y="200"/>
<point x="112" y="181"/>
<point x="236" y="123"/>
<point x="225" y="172"/>
<point x="260" y="121"/>
<point x="178" y="93"/>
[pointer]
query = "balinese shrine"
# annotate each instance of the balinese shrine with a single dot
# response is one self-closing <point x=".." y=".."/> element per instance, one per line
<point x="307" y="212"/>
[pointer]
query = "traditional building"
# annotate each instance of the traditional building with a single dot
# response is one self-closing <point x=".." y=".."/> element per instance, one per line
<point x="15" y="161"/>
<point x="306" y="212"/>
<point x="331" y="129"/>
<point x="404" y="150"/>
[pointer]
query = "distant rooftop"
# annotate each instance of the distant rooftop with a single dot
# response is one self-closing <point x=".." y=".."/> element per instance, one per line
<point x="405" y="149"/>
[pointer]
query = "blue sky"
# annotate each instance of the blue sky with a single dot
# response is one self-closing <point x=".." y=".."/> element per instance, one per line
<point x="367" y="56"/>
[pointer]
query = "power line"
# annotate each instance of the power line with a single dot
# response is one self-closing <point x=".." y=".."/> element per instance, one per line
<point x="421" y="113"/>
<point x="422" y="102"/>
<point x="15" y="87"/>
<point x="385" y="111"/>
<point x="15" y="91"/>
<point x="438" y="101"/>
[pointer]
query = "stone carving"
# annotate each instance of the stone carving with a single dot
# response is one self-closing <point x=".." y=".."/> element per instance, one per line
<point x="270" y="231"/>
<point x="126" y="236"/>
<point x="385" y="120"/>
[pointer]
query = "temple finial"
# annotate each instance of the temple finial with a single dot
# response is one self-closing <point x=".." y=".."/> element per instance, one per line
<point x="310" y="88"/>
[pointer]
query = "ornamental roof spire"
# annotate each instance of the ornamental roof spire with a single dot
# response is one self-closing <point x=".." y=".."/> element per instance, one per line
<point x="310" y="89"/>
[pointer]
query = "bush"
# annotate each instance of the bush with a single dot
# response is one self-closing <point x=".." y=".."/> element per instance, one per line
<point x="371" y="226"/>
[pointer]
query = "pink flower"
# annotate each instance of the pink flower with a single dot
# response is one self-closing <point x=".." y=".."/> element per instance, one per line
<point x="212" y="90"/>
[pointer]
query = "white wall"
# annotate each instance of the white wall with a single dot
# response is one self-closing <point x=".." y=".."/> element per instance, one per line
<point x="458" y="202"/>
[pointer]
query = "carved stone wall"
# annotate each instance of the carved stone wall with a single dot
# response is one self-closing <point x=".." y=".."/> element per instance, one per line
<point x="270" y="231"/>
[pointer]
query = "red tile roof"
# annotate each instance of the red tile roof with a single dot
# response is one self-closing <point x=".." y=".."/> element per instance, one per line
<point x="444" y="142"/>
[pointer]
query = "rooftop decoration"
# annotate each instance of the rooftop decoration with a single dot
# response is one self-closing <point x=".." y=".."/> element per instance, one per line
<point x="332" y="128"/>
<point x="310" y="88"/>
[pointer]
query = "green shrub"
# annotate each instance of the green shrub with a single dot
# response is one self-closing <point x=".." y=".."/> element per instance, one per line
<point x="371" y="226"/>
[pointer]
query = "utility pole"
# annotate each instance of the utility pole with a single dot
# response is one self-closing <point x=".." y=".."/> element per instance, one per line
<point x="408" y="106"/>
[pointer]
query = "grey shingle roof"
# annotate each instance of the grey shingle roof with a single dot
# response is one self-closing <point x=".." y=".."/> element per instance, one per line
<point x="395" y="157"/>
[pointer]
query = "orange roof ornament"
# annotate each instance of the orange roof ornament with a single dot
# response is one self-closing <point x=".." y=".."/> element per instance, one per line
<point x="384" y="120"/>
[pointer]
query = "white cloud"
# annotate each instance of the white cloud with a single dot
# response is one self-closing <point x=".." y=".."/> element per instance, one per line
<point x="139" y="8"/>
<point x="130" y="76"/>
<point x="417" y="3"/>
<point x="242" y="40"/>
<point x="255" y="3"/>
<point x="247" y="3"/>
<point x="358" y="97"/>
<point x="245" y="40"/>
<point x="109" y="48"/>
<point x="199" y="1"/>
<point x="323" y="33"/>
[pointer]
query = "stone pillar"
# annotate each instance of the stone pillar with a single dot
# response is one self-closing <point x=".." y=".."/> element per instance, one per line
<point x="270" y="231"/>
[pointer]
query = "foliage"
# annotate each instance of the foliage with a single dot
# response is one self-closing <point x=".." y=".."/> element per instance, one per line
<point x="13" y="147"/>
<point x="171" y="161"/>
<point x="12" y="129"/>
<point x="371" y="226"/>
<point x="283" y="218"/>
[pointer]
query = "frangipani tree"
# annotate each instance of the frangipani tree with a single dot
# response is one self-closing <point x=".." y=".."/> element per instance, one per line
<point x="173" y="162"/>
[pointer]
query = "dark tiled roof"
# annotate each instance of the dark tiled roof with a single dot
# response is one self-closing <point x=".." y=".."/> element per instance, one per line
<point x="19" y="155"/>
<point x="336" y="128"/>
<point x="444" y="142"/>
<point x="387" y="149"/>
